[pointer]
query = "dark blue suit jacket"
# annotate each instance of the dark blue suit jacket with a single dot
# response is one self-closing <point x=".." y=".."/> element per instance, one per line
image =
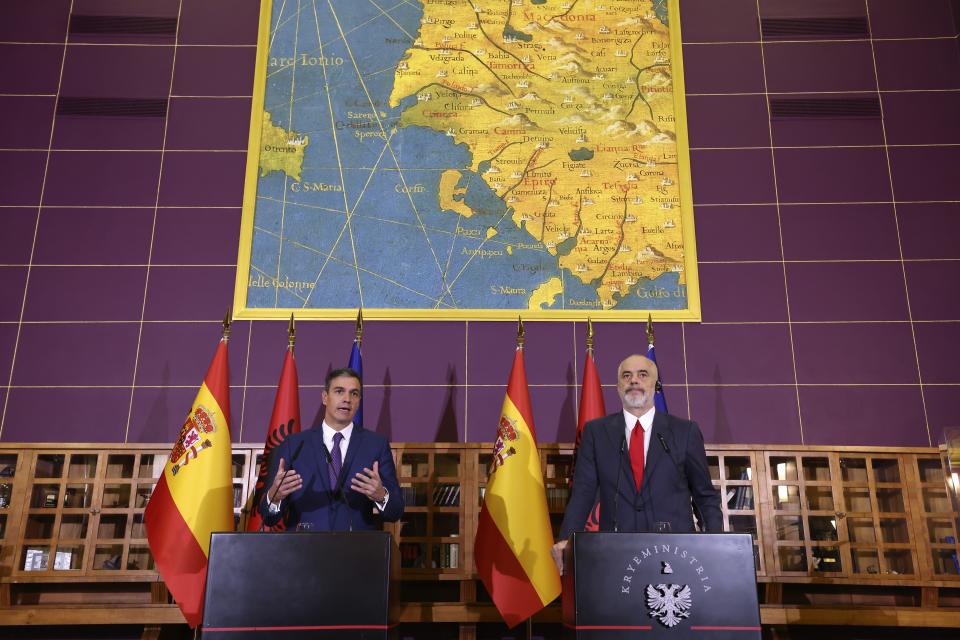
<point x="316" y="501"/>
<point x="670" y="479"/>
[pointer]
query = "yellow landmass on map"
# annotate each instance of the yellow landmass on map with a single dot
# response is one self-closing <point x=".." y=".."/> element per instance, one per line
<point x="543" y="296"/>
<point x="281" y="150"/>
<point x="451" y="197"/>
<point x="569" y="116"/>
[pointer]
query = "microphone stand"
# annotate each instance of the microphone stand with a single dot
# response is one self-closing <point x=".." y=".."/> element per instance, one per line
<point x="616" y="495"/>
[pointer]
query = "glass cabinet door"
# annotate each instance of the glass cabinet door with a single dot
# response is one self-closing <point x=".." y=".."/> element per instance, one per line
<point x="938" y="501"/>
<point x="876" y="516"/>
<point x="733" y="475"/>
<point x="803" y="496"/>
<point x="431" y="530"/>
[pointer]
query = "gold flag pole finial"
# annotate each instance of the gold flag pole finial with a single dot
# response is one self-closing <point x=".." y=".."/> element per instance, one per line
<point x="226" y="323"/>
<point x="650" y="329"/>
<point x="359" y="327"/>
<point x="291" y="333"/>
<point x="520" y="332"/>
<point x="589" y="335"/>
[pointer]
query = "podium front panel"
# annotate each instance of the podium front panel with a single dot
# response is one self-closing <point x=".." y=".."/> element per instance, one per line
<point x="297" y="585"/>
<point x="662" y="586"/>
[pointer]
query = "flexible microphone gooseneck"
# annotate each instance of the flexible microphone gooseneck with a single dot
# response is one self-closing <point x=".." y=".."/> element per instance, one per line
<point x="666" y="450"/>
<point x="293" y="458"/>
<point x="663" y="443"/>
<point x="616" y="495"/>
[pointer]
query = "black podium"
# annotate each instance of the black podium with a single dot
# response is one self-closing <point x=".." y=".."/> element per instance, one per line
<point x="660" y="586"/>
<point x="298" y="585"/>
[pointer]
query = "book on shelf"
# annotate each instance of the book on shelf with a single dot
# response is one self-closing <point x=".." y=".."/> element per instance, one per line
<point x="742" y="495"/>
<point x="410" y="496"/>
<point x="446" y="495"/>
<point x="448" y="556"/>
<point x="237" y="496"/>
<point x="62" y="560"/>
<point x="411" y="555"/>
<point x="557" y="497"/>
<point x="411" y="526"/>
<point x="36" y="560"/>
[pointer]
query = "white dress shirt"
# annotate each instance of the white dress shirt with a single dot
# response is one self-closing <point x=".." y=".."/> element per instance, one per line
<point x="646" y="423"/>
<point x="329" y="432"/>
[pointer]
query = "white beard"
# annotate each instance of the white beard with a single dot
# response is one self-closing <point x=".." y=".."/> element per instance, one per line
<point x="635" y="401"/>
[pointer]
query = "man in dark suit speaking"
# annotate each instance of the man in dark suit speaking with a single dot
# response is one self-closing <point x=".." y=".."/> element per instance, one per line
<point x="331" y="477"/>
<point x="645" y="466"/>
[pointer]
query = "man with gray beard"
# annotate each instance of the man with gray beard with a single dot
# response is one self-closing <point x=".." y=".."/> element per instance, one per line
<point x="649" y="469"/>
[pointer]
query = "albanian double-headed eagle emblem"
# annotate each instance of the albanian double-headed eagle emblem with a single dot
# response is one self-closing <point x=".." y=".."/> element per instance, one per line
<point x="669" y="603"/>
<point x="506" y="433"/>
<point x="192" y="439"/>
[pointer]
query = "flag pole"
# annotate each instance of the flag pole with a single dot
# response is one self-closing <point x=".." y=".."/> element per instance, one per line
<point x="589" y="336"/>
<point x="650" y="339"/>
<point x="521" y="335"/>
<point x="227" y="323"/>
<point x="359" y="334"/>
<point x="291" y="334"/>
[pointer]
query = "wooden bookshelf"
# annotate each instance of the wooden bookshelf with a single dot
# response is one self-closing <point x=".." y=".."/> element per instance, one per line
<point x="838" y="532"/>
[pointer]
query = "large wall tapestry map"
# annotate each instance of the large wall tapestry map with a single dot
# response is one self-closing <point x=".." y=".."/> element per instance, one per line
<point x="468" y="159"/>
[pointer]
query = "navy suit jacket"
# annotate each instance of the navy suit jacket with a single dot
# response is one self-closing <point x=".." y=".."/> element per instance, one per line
<point x="316" y="501"/>
<point x="675" y="470"/>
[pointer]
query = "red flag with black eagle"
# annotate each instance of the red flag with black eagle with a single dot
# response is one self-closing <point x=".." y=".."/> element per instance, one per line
<point x="591" y="408"/>
<point x="284" y="420"/>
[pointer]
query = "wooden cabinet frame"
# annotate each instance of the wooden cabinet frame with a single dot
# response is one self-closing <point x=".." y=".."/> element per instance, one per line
<point x="889" y="504"/>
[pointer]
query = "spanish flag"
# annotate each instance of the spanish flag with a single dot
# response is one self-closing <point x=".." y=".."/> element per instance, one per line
<point x="514" y="536"/>
<point x="194" y="496"/>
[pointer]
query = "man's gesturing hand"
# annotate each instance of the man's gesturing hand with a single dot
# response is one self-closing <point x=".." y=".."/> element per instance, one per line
<point x="369" y="484"/>
<point x="284" y="483"/>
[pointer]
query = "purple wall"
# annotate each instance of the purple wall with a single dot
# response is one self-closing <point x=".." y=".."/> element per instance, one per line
<point x="829" y="262"/>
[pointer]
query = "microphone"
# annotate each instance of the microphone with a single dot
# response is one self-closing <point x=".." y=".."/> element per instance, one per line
<point x="616" y="495"/>
<point x="337" y="492"/>
<point x="293" y="458"/>
<point x="663" y="443"/>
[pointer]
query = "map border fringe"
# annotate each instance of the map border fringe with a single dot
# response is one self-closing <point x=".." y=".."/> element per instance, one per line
<point x="691" y="314"/>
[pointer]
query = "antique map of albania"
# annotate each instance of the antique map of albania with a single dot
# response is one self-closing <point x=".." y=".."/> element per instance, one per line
<point x="468" y="158"/>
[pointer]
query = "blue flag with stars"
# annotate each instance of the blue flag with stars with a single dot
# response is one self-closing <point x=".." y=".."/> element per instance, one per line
<point x="659" y="400"/>
<point x="356" y="363"/>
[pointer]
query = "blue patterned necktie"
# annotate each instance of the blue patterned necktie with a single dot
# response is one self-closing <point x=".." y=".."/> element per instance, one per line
<point x="337" y="461"/>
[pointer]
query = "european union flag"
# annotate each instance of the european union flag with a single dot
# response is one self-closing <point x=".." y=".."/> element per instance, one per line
<point x="659" y="400"/>
<point x="356" y="363"/>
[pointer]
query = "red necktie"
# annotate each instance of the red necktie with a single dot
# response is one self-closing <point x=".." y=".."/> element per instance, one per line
<point x="636" y="454"/>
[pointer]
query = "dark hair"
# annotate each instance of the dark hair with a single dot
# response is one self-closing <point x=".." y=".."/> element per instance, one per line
<point x="339" y="373"/>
